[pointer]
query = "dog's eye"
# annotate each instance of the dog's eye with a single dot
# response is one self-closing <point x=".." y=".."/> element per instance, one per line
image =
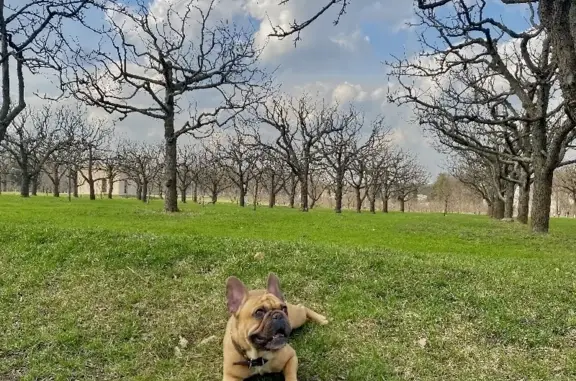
<point x="259" y="314"/>
<point x="285" y="309"/>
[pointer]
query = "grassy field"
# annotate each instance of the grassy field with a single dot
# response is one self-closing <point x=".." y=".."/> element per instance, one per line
<point x="105" y="290"/>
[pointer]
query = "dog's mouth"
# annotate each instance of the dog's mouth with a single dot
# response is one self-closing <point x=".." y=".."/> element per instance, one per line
<point x="274" y="342"/>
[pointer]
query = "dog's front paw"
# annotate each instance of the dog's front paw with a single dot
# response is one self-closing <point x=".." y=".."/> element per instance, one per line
<point x="321" y="319"/>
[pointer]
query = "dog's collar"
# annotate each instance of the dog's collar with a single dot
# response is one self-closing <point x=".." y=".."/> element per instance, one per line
<point x="250" y="363"/>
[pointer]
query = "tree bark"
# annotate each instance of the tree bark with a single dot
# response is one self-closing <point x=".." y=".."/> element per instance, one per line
<point x="523" y="203"/>
<point x="56" y="182"/>
<point x="138" y="191"/>
<point x="74" y="175"/>
<point x="110" y="187"/>
<point x="25" y="185"/>
<point x="195" y="193"/>
<point x="384" y="204"/>
<point x="183" y="195"/>
<point x="509" y="200"/>
<point x="498" y="208"/>
<point x="144" y="191"/>
<point x="541" y="200"/>
<point x="358" y="200"/>
<point x="402" y="205"/>
<point x="92" y="188"/>
<point x="339" y="193"/>
<point x="242" y="200"/>
<point x="34" y="180"/>
<point x="170" y="163"/>
<point x="214" y="196"/>
<point x="373" y="205"/>
<point x="304" y="193"/>
<point x="272" y="199"/>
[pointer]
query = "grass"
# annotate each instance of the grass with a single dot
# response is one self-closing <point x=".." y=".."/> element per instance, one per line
<point x="104" y="290"/>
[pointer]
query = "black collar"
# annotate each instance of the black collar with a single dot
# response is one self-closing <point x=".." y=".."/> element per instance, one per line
<point x="250" y="363"/>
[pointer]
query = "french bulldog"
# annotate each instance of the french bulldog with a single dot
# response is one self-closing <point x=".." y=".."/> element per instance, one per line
<point x="260" y="323"/>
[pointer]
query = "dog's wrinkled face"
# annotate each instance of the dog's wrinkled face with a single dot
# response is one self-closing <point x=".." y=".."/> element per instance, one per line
<point x="262" y="317"/>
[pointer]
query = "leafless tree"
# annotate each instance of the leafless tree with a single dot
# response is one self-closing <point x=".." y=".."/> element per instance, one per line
<point x="111" y="166"/>
<point x="411" y="176"/>
<point x="275" y="173"/>
<point x="291" y="188"/>
<point x="213" y="177"/>
<point x="301" y="124"/>
<point x="32" y="139"/>
<point x="140" y="161"/>
<point x="30" y="35"/>
<point x="92" y="140"/>
<point x="238" y="155"/>
<point x="159" y="65"/>
<point x="494" y="92"/>
<point x="566" y="181"/>
<point x="318" y="182"/>
<point x="188" y="171"/>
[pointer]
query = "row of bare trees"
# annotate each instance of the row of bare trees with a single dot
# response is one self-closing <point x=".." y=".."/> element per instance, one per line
<point x="500" y="90"/>
<point x="311" y="147"/>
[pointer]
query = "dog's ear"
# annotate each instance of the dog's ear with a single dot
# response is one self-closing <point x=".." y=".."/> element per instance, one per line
<point x="235" y="293"/>
<point x="273" y="286"/>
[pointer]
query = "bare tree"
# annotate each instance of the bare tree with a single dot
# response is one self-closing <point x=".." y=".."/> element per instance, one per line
<point x="318" y="184"/>
<point x="188" y="171"/>
<point x="274" y="175"/>
<point x="566" y="181"/>
<point x="213" y="177"/>
<point x="32" y="139"/>
<point x="238" y="155"/>
<point x="411" y="176"/>
<point x="30" y="35"/>
<point x="111" y="166"/>
<point x="493" y="93"/>
<point x="92" y="140"/>
<point x="140" y="161"/>
<point x="157" y="65"/>
<point x="301" y="124"/>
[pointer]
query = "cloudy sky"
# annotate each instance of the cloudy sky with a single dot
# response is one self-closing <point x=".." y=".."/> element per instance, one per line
<point x="343" y="63"/>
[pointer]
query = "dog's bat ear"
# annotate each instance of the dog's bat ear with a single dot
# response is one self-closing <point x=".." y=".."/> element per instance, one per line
<point x="235" y="293"/>
<point x="273" y="286"/>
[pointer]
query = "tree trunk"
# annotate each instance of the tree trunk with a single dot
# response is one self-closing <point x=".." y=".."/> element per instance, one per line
<point x="490" y="211"/>
<point x="242" y="200"/>
<point x="509" y="200"/>
<point x="144" y="191"/>
<point x="183" y="195"/>
<point x="339" y="193"/>
<point x="523" y="203"/>
<point x="25" y="185"/>
<point x="402" y="205"/>
<point x="256" y="190"/>
<point x="56" y="182"/>
<point x="358" y="200"/>
<point x="373" y="205"/>
<point x="292" y="199"/>
<point x="384" y="204"/>
<point x="92" y="188"/>
<point x="74" y="175"/>
<point x="35" y="180"/>
<point x="110" y="187"/>
<point x="445" y="206"/>
<point x="195" y="193"/>
<point x="272" y="198"/>
<point x="304" y="193"/>
<point x="214" y="196"/>
<point x="170" y="164"/>
<point x="541" y="200"/>
<point x="498" y="208"/>
<point x="138" y="191"/>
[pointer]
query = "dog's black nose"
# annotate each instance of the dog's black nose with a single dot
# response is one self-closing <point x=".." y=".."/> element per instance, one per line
<point x="277" y="315"/>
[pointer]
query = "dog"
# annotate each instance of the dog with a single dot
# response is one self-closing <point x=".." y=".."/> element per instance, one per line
<point x="260" y="323"/>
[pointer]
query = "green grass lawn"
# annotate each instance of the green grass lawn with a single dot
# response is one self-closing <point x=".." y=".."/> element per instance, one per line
<point x="104" y="290"/>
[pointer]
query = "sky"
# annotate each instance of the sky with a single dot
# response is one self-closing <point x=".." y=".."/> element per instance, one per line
<point x="344" y="62"/>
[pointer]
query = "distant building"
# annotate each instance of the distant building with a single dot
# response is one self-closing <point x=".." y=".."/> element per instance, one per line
<point x="122" y="187"/>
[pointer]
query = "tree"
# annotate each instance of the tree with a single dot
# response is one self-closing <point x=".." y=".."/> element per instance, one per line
<point x="212" y="176"/>
<point x="111" y="165"/>
<point x="188" y="171"/>
<point x="32" y="139"/>
<point x="566" y="181"/>
<point x="158" y="65"/>
<point x="30" y="35"/>
<point x="92" y="140"/>
<point x="142" y="163"/>
<point x="491" y="96"/>
<point x="238" y="155"/>
<point x="443" y="189"/>
<point x="274" y="175"/>
<point x="411" y="176"/>
<point x="301" y="124"/>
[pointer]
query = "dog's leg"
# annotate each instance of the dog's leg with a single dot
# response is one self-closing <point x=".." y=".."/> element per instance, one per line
<point x="298" y="315"/>
<point x="291" y="369"/>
